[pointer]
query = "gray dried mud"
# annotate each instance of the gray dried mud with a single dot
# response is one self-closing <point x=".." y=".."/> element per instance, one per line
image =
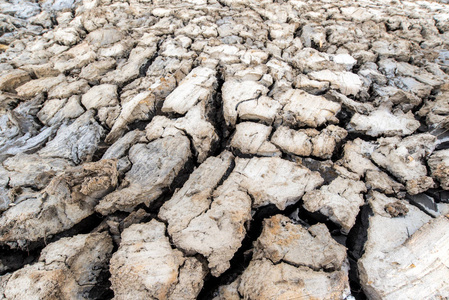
<point x="224" y="149"/>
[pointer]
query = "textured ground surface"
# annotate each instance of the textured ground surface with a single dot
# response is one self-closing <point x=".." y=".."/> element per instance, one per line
<point x="224" y="149"/>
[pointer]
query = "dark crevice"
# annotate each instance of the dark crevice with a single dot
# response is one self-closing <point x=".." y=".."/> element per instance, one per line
<point x="170" y="239"/>
<point x="238" y="153"/>
<point x="144" y="68"/>
<point x="355" y="243"/>
<point x="172" y="115"/>
<point x="139" y="125"/>
<point x="14" y="259"/>
<point x="101" y="150"/>
<point x="344" y="116"/>
<point x="442" y="135"/>
<point x="54" y="21"/>
<point x="422" y="120"/>
<point x="290" y="157"/>
<point x="216" y="116"/>
<point x="155" y="206"/>
<point x="193" y="149"/>
<point x="424" y="203"/>
<point x="183" y="175"/>
<point x="339" y="151"/>
<point x="243" y="256"/>
<point x="313" y="218"/>
<point x="311" y="267"/>
<point x="295" y="158"/>
<point x="439" y="195"/>
<point x="83" y="227"/>
<point x="357" y="135"/>
<point x="167" y="194"/>
<point x="102" y="290"/>
<point x="226" y="174"/>
<point x="327" y="172"/>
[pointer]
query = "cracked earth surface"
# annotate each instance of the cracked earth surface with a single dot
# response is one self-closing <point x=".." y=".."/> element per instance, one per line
<point x="224" y="149"/>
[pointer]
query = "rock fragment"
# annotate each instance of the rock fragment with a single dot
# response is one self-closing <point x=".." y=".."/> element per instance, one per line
<point x="411" y="85"/>
<point x="20" y="133"/>
<point x="93" y="71"/>
<point x="306" y="142"/>
<point x="346" y="60"/>
<point x="340" y="201"/>
<point x="67" y="269"/>
<point x="264" y="109"/>
<point x="282" y="251"/>
<point x="11" y="79"/>
<point x="436" y="111"/>
<point x="196" y="195"/>
<point x="313" y="87"/>
<point x="206" y="218"/>
<point x="68" y="199"/>
<point x="33" y="170"/>
<point x="356" y="156"/>
<point x="382" y="122"/>
<point x="297" y="142"/>
<point x="325" y="143"/>
<point x="140" y="107"/>
<point x="100" y="96"/>
<point x="104" y="37"/>
<point x="439" y="165"/>
<point x="399" y="50"/>
<point x="154" y="167"/>
<point x="404" y="159"/>
<point x="56" y="111"/>
<point x="120" y="148"/>
<point x="283" y="241"/>
<point x="309" y="60"/>
<point x="146" y="266"/>
<point x="286" y="281"/>
<point x="355" y="106"/>
<point x="194" y="125"/>
<point x="74" y="58"/>
<point x="396" y="209"/>
<point x="406" y="69"/>
<point x="275" y="180"/>
<point x="402" y="250"/>
<point x="252" y="138"/>
<point x="22" y="143"/>
<point x="67" y="36"/>
<point x="198" y="86"/>
<point x="68" y="88"/>
<point x="77" y="141"/>
<point x="380" y="181"/>
<point x="348" y="83"/>
<point x="130" y="69"/>
<point x="302" y="109"/>
<point x="236" y="93"/>
<point x="218" y="232"/>
<point x="36" y="86"/>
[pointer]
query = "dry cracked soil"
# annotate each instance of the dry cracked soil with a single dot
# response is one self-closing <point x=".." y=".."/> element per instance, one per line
<point x="224" y="149"/>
